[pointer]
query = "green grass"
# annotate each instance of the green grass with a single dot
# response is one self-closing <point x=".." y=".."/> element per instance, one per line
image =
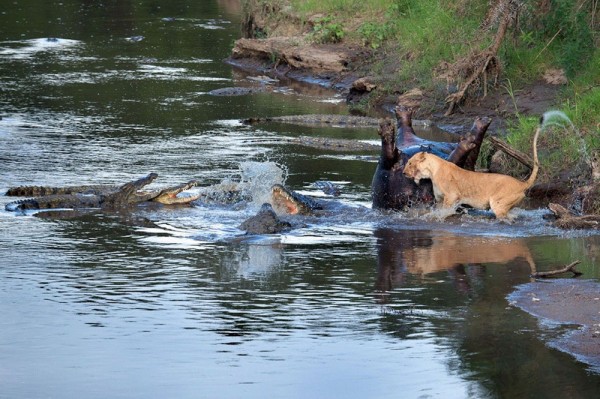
<point x="581" y="105"/>
<point x="346" y="6"/>
<point x="424" y="32"/>
<point x="563" y="145"/>
<point x="326" y="30"/>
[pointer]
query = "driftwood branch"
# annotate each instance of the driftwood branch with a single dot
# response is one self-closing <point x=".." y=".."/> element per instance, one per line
<point x="570" y="268"/>
<point x="508" y="150"/>
<point x="566" y="220"/>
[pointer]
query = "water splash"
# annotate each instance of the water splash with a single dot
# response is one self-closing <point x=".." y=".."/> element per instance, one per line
<point x="257" y="178"/>
<point x="26" y="49"/>
<point x="559" y="119"/>
<point x="552" y="117"/>
<point x="251" y="183"/>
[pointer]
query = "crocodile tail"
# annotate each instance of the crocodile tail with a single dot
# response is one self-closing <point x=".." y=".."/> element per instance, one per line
<point x="21" y="205"/>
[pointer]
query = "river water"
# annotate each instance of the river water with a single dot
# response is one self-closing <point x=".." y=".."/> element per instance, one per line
<point x="175" y="301"/>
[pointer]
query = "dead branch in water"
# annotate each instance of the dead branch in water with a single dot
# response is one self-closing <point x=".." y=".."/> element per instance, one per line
<point x="570" y="268"/>
<point x="508" y="150"/>
<point x="566" y="220"/>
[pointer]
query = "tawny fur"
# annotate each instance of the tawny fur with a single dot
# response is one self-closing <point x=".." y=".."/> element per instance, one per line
<point x="453" y="186"/>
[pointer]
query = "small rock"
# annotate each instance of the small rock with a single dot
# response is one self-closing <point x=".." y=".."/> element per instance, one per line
<point x="411" y="99"/>
<point x="364" y="84"/>
<point x="555" y="76"/>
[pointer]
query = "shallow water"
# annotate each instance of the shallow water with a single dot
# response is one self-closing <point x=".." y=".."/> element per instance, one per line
<point x="176" y="301"/>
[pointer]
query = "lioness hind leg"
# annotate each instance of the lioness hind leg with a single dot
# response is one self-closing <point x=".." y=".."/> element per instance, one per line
<point x="502" y="208"/>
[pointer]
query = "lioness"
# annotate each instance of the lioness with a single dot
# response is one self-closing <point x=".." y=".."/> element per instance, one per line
<point x="455" y="186"/>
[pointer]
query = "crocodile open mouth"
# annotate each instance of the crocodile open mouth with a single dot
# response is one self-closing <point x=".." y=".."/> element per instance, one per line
<point x="283" y="200"/>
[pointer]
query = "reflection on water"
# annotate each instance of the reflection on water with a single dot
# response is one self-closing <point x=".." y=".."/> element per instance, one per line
<point x="445" y="251"/>
<point x="177" y="301"/>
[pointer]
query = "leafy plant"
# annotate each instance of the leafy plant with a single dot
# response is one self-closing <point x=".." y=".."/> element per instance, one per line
<point x="373" y="34"/>
<point x="327" y="31"/>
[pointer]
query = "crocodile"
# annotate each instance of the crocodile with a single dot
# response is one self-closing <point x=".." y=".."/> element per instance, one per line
<point x="285" y="201"/>
<point x="318" y="119"/>
<point x="327" y="120"/>
<point x="288" y="201"/>
<point x="236" y="91"/>
<point x="98" y="196"/>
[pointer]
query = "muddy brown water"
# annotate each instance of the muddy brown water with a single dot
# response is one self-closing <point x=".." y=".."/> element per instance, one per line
<point x="176" y="302"/>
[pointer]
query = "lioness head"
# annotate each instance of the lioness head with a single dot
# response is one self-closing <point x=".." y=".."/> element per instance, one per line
<point x="414" y="167"/>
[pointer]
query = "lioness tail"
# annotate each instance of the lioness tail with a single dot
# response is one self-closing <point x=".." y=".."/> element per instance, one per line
<point x="536" y="164"/>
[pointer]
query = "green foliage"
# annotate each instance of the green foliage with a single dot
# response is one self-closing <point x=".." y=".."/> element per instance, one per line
<point x="400" y="8"/>
<point x="584" y="109"/>
<point x="374" y="34"/>
<point x="326" y="30"/>
<point x="564" y="144"/>
<point x="329" y="6"/>
<point x="415" y="43"/>
<point x="566" y="29"/>
<point x="429" y="34"/>
<point x="582" y="103"/>
<point x="521" y="65"/>
<point x="521" y="132"/>
<point x="508" y="86"/>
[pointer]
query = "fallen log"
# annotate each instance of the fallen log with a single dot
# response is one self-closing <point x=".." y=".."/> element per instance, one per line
<point x="570" y="268"/>
<point x="508" y="150"/>
<point x="295" y="53"/>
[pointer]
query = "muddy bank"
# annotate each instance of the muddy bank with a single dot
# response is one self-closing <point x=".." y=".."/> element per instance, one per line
<point x="280" y="43"/>
<point x="328" y="65"/>
<point x="344" y="67"/>
<point x="570" y="309"/>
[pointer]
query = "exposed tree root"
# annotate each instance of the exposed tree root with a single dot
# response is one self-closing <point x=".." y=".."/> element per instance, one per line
<point x="477" y="67"/>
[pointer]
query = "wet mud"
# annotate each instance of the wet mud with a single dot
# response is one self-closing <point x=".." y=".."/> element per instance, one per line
<point x="570" y="307"/>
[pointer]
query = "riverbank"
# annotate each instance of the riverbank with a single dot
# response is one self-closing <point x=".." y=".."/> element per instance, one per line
<point x="360" y="54"/>
<point x="345" y="68"/>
